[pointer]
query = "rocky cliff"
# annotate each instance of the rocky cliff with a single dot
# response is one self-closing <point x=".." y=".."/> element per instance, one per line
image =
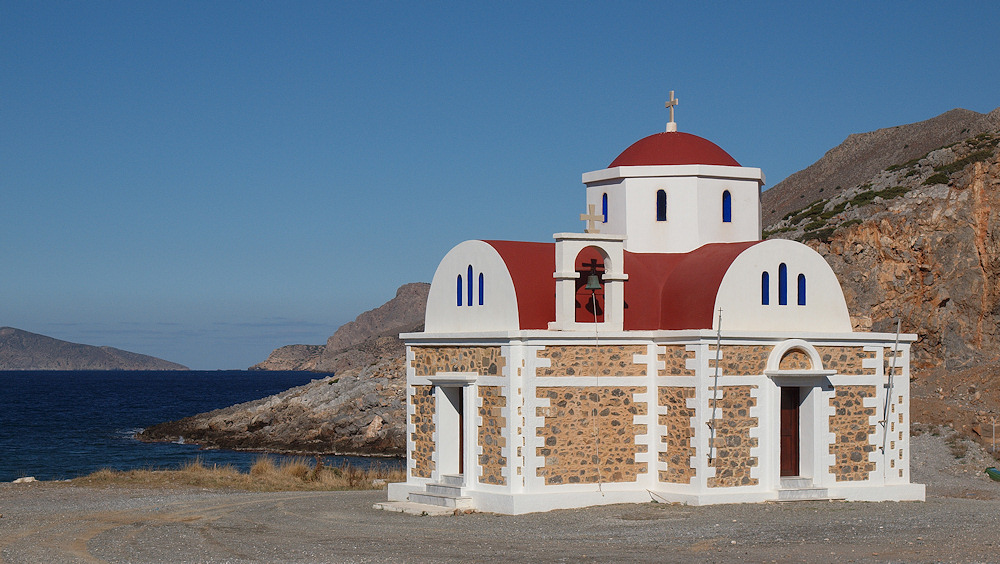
<point x="863" y="155"/>
<point x="361" y="409"/>
<point x="21" y="350"/>
<point x="919" y="240"/>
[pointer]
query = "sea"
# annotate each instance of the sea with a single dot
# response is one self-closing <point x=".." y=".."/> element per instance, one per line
<point x="57" y="425"/>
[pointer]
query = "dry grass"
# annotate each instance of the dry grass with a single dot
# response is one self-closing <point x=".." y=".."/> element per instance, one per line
<point x="266" y="475"/>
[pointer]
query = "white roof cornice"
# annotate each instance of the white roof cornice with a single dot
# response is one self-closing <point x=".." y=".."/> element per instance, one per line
<point x="709" y="171"/>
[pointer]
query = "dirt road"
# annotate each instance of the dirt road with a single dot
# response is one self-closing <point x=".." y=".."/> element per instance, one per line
<point x="54" y="523"/>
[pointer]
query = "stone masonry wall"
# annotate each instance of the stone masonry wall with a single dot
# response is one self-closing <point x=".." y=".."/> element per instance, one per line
<point x="731" y="458"/>
<point x="852" y="430"/>
<point x="679" y="434"/>
<point x="795" y="359"/>
<point x="674" y="361"/>
<point x="485" y="361"/>
<point x="491" y="435"/>
<point x="422" y="401"/>
<point x="577" y="360"/>
<point x="740" y="359"/>
<point x="576" y="416"/>
<point x="846" y="360"/>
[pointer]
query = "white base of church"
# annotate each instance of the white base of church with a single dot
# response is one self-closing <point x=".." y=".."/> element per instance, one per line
<point x="515" y="504"/>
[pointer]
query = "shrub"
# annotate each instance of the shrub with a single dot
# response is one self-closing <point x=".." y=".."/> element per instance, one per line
<point x="973" y="157"/>
<point x="822" y="235"/>
<point x="811" y="210"/>
<point x="812" y="226"/>
<point x="937" y="178"/>
<point x="836" y="209"/>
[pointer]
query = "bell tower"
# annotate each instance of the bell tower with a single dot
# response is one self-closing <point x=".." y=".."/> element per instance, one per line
<point x="673" y="192"/>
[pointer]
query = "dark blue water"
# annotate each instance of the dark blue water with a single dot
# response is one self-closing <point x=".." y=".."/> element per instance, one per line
<point x="63" y="424"/>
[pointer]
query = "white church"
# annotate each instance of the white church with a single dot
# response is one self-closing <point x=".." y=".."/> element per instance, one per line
<point x="665" y="354"/>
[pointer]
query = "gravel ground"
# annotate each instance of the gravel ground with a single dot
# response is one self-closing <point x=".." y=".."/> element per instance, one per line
<point x="45" y="522"/>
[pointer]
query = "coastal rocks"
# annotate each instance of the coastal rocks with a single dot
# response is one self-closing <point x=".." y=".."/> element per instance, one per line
<point x="358" y="411"/>
<point x="361" y="409"/>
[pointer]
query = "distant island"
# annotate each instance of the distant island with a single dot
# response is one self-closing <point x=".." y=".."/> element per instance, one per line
<point x="21" y="350"/>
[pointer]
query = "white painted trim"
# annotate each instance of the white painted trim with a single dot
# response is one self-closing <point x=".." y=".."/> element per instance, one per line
<point x="660" y="171"/>
<point x="660" y="336"/>
<point x="453" y="378"/>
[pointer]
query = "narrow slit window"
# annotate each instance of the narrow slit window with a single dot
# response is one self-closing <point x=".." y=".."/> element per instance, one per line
<point x="661" y="205"/>
<point x="461" y="289"/>
<point x="765" y="288"/>
<point x="802" y="289"/>
<point x="469" y="285"/>
<point x="782" y="284"/>
<point x="481" y="288"/>
<point x="727" y="207"/>
<point x="604" y="207"/>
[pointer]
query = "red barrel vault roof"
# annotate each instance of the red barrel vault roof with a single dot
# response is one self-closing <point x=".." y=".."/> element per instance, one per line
<point x="663" y="290"/>
<point x="673" y="148"/>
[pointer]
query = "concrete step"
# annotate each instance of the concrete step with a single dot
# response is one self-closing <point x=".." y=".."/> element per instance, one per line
<point x="795" y="482"/>
<point x="445" y="489"/>
<point x="803" y="494"/>
<point x="453" y="479"/>
<point x="453" y="502"/>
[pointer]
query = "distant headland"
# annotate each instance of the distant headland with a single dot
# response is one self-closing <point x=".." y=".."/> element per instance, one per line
<point x="21" y="350"/>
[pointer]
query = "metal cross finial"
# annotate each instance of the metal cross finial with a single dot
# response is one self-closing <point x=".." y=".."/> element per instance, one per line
<point x="672" y="126"/>
<point x="591" y="218"/>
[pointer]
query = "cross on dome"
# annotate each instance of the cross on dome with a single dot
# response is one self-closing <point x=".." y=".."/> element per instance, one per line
<point x="591" y="218"/>
<point x="672" y="125"/>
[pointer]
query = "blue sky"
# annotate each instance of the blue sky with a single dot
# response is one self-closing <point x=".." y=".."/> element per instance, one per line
<point x="205" y="182"/>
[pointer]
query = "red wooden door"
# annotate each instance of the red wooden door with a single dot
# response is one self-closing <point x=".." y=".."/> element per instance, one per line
<point x="789" y="431"/>
<point x="461" y="431"/>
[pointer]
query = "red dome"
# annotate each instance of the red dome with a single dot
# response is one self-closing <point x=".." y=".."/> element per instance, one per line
<point x="673" y="148"/>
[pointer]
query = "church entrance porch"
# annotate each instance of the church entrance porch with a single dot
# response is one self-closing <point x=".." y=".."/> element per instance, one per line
<point x="800" y="437"/>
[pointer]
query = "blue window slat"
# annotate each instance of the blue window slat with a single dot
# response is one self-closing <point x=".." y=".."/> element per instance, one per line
<point x="765" y="289"/>
<point x="802" y="289"/>
<point x="782" y="284"/>
<point x="480" y="288"/>
<point x="727" y="207"/>
<point x="469" y="284"/>
<point x="460" y="289"/>
<point x="661" y="205"/>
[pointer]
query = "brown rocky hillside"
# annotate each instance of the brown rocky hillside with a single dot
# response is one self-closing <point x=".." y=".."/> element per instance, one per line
<point x="863" y="155"/>
<point x="21" y="350"/>
<point x="920" y="240"/>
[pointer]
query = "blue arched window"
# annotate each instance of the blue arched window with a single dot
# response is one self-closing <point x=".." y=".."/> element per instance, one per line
<point x="460" y="289"/>
<point x="661" y="205"/>
<point x="604" y="206"/>
<point x="765" y="288"/>
<point x="782" y="284"/>
<point x="727" y="207"/>
<point x="469" y="285"/>
<point x="802" y="289"/>
<point x="480" y="288"/>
